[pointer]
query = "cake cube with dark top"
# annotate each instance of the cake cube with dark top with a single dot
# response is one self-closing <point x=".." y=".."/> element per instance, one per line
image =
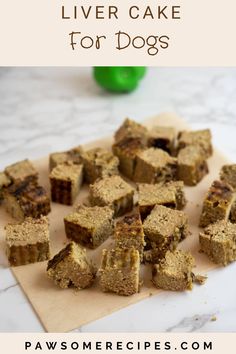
<point x="200" y="138"/>
<point x="22" y="172"/>
<point x="71" y="268"/>
<point x="131" y="129"/>
<point x="119" y="271"/>
<point x="28" y="242"/>
<point x="192" y="165"/>
<point x="217" y="203"/>
<point x="164" y="229"/>
<point x="126" y="150"/>
<point x="66" y="180"/>
<point x="26" y="200"/>
<point x="74" y="155"/>
<point x="99" y="163"/>
<point x="162" y="138"/>
<point x="89" y="226"/>
<point x="228" y="175"/>
<point x="113" y="192"/>
<point x="218" y="242"/>
<point x="129" y="233"/>
<point x="174" y="272"/>
<point x="155" y="165"/>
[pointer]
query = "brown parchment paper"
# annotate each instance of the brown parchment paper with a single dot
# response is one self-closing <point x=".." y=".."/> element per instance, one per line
<point x="63" y="310"/>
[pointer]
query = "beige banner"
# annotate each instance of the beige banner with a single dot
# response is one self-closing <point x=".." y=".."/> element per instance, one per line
<point x="130" y="32"/>
<point x="199" y="343"/>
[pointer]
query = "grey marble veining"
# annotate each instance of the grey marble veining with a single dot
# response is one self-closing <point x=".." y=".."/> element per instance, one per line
<point x="49" y="109"/>
<point x="191" y="324"/>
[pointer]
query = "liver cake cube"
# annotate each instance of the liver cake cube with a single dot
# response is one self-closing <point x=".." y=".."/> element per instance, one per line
<point x="89" y="226"/>
<point x="192" y="166"/>
<point x="201" y="138"/>
<point x="71" y="268"/>
<point x="150" y="195"/>
<point x="22" y="172"/>
<point x="162" y="138"/>
<point x="66" y="180"/>
<point x="155" y="165"/>
<point x="57" y="158"/>
<point x="26" y="200"/>
<point x="217" y="203"/>
<point x="28" y="242"/>
<point x="131" y="129"/>
<point x="164" y="229"/>
<point x="218" y="242"/>
<point x="74" y="155"/>
<point x="170" y="194"/>
<point x="99" y="163"/>
<point x="113" y="192"/>
<point x="174" y="271"/>
<point x="228" y="175"/>
<point x="126" y="150"/>
<point x="129" y="233"/>
<point x="119" y="271"/>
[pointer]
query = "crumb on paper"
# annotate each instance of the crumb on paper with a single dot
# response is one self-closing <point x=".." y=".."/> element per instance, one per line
<point x="213" y="319"/>
<point x="199" y="279"/>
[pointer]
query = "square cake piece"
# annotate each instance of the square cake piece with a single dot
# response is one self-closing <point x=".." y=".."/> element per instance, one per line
<point x="162" y="138"/>
<point x="22" y="172"/>
<point x="114" y="192"/>
<point x="218" y="242"/>
<point x="164" y="229"/>
<point x="170" y="194"/>
<point x="131" y="129"/>
<point x="4" y="182"/>
<point x="99" y="163"/>
<point x="174" y="272"/>
<point x="201" y="138"/>
<point x="228" y="175"/>
<point x="57" y="158"/>
<point x="119" y="271"/>
<point x="26" y="200"/>
<point x="129" y="233"/>
<point x="150" y="195"/>
<point x="126" y="150"/>
<point x="89" y="226"/>
<point x="73" y="155"/>
<point x="71" y="268"/>
<point x="28" y="242"/>
<point x="217" y="203"/>
<point x="192" y="166"/>
<point x="66" y="180"/>
<point x="155" y="165"/>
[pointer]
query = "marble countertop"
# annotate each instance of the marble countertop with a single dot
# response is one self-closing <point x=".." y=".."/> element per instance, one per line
<point x="48" y="109"/>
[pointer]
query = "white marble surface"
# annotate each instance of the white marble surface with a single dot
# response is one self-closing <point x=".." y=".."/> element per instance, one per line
<point x="47" y="109"/>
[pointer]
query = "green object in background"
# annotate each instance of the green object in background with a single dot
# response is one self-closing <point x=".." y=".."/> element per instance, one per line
<point x="119" y="78"/>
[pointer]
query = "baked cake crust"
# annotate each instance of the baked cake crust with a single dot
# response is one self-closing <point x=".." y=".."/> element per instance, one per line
<point x="119" y="271"/>
<point x="28" y="242"/>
